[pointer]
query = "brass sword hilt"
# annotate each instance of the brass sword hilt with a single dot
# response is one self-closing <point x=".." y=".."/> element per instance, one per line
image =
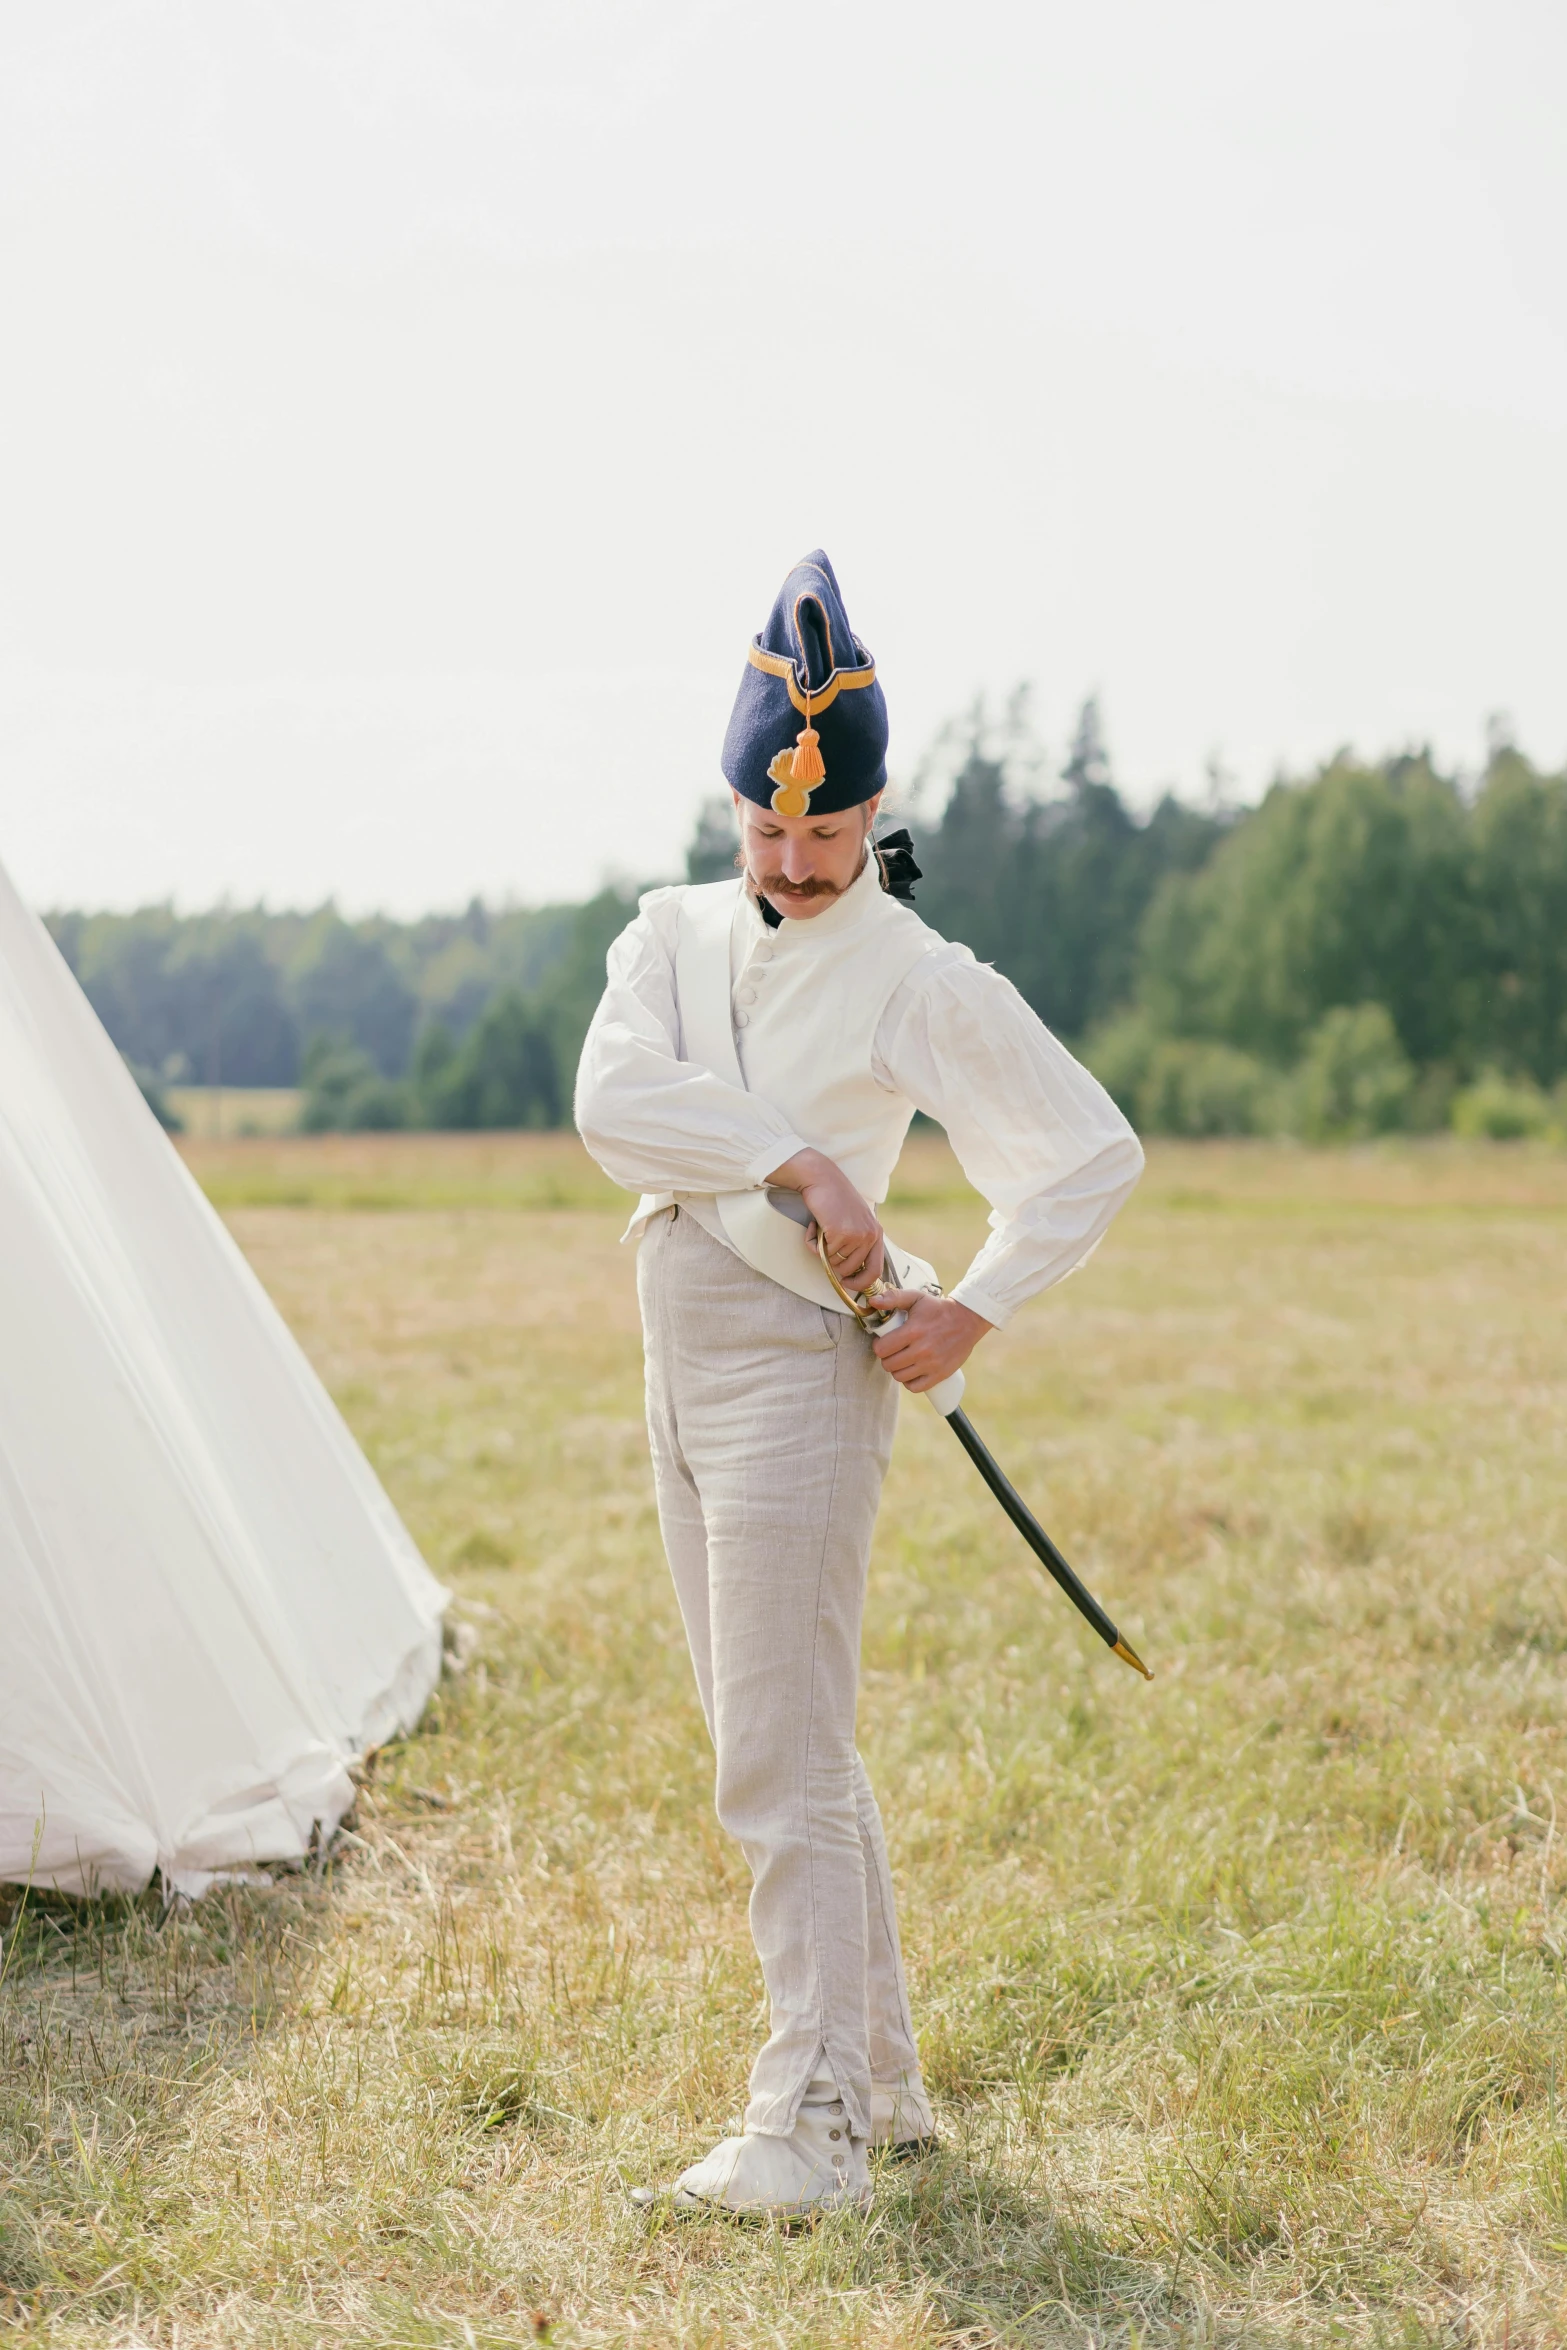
<point x="859" y="1304"/>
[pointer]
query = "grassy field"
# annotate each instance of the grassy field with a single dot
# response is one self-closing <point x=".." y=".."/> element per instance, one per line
<point x="218" y="1113"/>
<point x="1243" y="1995"/>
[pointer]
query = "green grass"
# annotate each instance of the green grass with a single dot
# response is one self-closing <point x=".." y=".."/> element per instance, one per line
<point x="1243" y="1995"/>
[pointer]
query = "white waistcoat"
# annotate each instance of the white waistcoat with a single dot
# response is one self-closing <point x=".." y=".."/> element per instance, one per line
<point x="818" y="990"/>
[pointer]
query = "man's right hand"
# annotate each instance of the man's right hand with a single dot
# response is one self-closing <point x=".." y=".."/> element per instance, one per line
<point x="853" y="1235"/>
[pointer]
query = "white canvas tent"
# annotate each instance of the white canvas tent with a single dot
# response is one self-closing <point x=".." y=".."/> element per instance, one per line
<point x="208" y="1606"/>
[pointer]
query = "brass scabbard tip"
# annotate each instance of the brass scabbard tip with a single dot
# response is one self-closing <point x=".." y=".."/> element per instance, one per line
<point x="1129" y="1656"/>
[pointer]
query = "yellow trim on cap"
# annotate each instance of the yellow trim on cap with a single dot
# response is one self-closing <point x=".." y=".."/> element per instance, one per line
<point x="822" y="697"/>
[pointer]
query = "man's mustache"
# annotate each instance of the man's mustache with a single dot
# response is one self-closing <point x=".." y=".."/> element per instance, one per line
<point x="771" y="884"/>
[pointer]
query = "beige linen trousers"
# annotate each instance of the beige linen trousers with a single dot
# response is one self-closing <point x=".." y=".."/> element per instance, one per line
<point x="771" y="1424"/>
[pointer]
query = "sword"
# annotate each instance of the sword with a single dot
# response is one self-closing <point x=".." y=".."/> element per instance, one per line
<point x="863" y="1308"/>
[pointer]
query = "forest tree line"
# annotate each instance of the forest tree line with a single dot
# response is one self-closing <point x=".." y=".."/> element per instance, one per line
<point x="1378" y="946"/>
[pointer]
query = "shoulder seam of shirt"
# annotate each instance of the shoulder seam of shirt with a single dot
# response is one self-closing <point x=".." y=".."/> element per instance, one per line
<point x="941" y="956"/>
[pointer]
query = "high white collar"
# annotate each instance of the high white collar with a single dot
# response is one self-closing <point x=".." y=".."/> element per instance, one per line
<point x="860" y="899"/>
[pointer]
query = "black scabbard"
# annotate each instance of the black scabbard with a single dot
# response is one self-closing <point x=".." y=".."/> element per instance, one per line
<point x="866" y="1313"/>
<point x="1039" y="1541"/>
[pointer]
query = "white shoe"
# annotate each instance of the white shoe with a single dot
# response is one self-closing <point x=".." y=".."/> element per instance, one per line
<point x="819" y="2167"/>
<point x="901" y="2118"/>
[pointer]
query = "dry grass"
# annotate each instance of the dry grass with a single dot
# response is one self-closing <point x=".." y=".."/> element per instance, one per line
<point x="222" y="1112"/>
<point x="1243" y="1995"/>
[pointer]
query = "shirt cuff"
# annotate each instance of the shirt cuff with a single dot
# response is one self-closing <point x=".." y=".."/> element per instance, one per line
<point x="782" y="1148"/>
<point x="978" y="1299"/>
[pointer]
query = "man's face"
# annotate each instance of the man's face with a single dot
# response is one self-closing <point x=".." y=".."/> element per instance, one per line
<point x="800" y="864"/>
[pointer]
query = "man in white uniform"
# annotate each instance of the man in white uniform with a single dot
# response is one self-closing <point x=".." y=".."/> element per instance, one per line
<point x="760" y="1049"/>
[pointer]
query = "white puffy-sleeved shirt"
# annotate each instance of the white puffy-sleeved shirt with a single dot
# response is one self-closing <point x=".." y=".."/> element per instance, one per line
<point x="1035" y="1134"/>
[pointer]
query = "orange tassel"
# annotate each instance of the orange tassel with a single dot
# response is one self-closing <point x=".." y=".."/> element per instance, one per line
<point x="806" y="766"/>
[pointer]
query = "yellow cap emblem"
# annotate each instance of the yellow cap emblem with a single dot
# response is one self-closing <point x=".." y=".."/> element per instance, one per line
<point x="791" y="798"/>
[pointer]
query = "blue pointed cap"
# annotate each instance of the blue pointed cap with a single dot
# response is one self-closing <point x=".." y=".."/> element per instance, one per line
<point x="808" y="732"/>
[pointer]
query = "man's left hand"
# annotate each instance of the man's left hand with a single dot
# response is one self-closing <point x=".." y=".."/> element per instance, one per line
<point x="936" y="1340"/>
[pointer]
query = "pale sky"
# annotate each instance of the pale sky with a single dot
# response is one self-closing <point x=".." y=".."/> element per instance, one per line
<point x="409" y="411"/>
